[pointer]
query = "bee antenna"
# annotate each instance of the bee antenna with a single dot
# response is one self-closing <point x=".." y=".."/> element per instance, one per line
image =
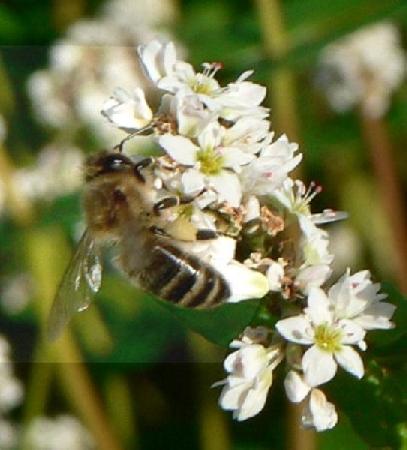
<point x="141" y="131"/>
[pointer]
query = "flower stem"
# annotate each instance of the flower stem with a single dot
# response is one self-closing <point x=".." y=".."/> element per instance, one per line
<point x="282" y="84"/>
<point x="381" y="153"/>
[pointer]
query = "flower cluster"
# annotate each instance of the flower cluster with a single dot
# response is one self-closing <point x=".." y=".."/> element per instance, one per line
<point x="363" y="69"/>
<point x="92" y="58"/>
<point x="64" y="432"/>
<point x="214" y="150"/>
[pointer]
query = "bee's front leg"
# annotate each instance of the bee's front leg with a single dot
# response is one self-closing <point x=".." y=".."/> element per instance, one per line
<point x="139" y="166"/>
<point x="167" y="202"/>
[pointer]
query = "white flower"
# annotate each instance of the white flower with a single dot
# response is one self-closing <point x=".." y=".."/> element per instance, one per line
<point x="356" y="298"/>
<point x="364" y="68"/>
<point x="248" y="134"/>
<point x="330" y="339"/>
<point x="62" y="433"/>
<point x="295" y="197"/>
<point x="208" y="163"/>
<point x="172" y="75"/>
<point x="129" y="112"/>
<point x="192" y="115"/>
<point x="312" y="276"/>
<point x="275" y="274"/>
<point x="319" y="413"/>
<point x="158" y="59"/>
<point x="295" y="387"/>
<point x="242" y="99"/>
<point x="250" y="376"/>
<point x="314" y="243"/>
<point x="268" y="172"/>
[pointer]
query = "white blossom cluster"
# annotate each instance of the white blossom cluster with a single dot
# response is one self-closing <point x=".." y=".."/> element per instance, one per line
<point x="214" y="150"/>
<point x="364" y="69"/>
<point x="64" y="432"/>
<point x="94" y="57"/>
<point x="56" y="172"/>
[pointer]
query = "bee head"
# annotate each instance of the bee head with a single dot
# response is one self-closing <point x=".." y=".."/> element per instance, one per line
<point x="107" y="163"/>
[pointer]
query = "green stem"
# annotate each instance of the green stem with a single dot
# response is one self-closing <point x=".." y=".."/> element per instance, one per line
<point x="282" y="82"/>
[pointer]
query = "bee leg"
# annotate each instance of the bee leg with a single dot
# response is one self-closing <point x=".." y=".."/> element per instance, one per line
<point x="139" y="166"/>
<point x="159" y="231"/>
<point x="206" y="235"/>
<point x="186" y="200"/>
<point x="165" y="203"/>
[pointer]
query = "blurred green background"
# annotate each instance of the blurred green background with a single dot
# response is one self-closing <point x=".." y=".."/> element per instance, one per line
<point x="133" y="372"/>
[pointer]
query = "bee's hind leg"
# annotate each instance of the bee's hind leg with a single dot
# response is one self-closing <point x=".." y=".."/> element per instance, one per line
<point x="206" y="234"/>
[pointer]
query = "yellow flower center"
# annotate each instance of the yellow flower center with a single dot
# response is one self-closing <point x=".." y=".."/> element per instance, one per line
<point x="202" y="84"/>
<point x="211" y="163"/>
<point x="328" y="338"/>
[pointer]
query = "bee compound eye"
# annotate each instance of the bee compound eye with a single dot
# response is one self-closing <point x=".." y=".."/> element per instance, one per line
<point x="116" y="162"/>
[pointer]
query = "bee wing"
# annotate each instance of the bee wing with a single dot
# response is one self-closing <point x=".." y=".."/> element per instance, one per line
<point x="81" y="280"/>
<point x="328" y="216"/>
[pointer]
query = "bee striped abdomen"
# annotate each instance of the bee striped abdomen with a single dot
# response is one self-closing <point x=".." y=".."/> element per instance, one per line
<point x="183" y="279"/>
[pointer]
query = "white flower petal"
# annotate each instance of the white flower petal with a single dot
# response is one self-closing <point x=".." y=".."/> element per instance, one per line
<point x="228" y="187"/>
<point x="349" y="359"/>
<point x="275" y="274"/>
<point x="230" y="397"/>
<point x="256" y="397"/>
<point x="319" y="413"/>
<point x="210" y="136"/>
<point x="158" y="59"/>
<point x="318" y="307"/>
<point x="377" y="316"/>
<point x="352" y="332"/>
<point x="181" y="149"/>
<point x="296" y="329"/>
<point x="244" y="283"/>
<point x="295" y="387"/>
<point x="319" y="366"/>
<point x="234" y="158"/>
<point x="126" y="111"/>
<point x="312" y="276"/>
<point x="192" y="182"/>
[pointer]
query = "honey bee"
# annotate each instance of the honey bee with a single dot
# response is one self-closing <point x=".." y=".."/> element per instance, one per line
<point x="120" y="208"/>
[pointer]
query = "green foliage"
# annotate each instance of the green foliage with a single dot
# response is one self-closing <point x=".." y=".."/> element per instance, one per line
<point x="219" y="325"/>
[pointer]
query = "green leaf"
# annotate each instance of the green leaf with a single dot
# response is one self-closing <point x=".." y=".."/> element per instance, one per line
<point x="219" y="325"/>
<point x="341" y="437"/>
<point x="375" y="405"/>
